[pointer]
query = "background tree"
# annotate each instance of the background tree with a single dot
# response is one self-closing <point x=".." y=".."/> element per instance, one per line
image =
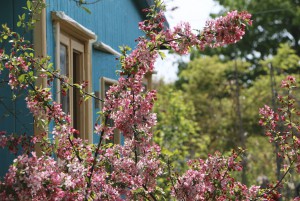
<point x="276" y="28"/>
<point x="177" y="130"/>
<point x="209" y="83"/>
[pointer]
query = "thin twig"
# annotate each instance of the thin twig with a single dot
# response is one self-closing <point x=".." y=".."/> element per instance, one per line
<point x="60" y="78"/>
<point x="171" y="179"/>
<point x="150" y="193"/>
<point x="89" y="178"/>
<point x="278" y="182"/>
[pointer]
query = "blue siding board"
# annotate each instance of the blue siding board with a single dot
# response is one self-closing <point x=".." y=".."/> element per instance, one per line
<point x="114" y="21"/>
<point x="7" y="107"/>
<point x="6" y="10"/>
<point x="14" y="116"/>
<point x="104" y="65"/>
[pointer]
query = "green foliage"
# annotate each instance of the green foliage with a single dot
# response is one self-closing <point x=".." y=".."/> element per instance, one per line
<point x="176" y="131"/>
<point x="260" y="150"/>
<point x="27" y="20"/>
<point x="207" y="85"/>
<point x="210" y="86"/>
<point x="286" y="58"/>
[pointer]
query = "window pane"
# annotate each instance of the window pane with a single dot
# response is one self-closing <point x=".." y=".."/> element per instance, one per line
<point x="64" y="70"/>
<point x="76" y="94"/>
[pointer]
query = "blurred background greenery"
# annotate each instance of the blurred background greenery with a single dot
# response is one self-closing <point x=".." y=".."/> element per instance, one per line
<point x="213" y="105"/>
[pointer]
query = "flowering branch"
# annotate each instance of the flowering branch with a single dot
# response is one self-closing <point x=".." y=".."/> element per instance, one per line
<point x="288" y="142"/>
<point x="82" y="173"/>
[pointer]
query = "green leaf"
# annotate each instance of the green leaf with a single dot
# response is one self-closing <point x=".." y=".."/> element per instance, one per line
<point x="77" y="85"/>
<point x="22" y="77"/>
<point x="30" y="73"/>
<point x="50" y="65"/>
<point x="47" y="89"/>
<point x="86" y="9"/>
<point x="86" y="98"/>
<point x="29" y="5"/>
<point x="166" y="152"/>
<point x="162" y="55"/>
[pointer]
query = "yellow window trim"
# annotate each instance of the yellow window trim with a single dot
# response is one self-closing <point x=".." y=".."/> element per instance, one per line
<point x="40" y="48"/>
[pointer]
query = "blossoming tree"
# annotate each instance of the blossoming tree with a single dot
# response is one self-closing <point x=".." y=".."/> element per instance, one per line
<point x="71" y="169"/>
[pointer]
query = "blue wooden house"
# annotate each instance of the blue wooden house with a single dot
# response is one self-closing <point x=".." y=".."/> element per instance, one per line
<point x="82" y="46"/>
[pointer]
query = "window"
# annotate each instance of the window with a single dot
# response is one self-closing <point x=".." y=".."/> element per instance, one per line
<point x="105" y="83"/>
<point x="73" y="47"/>
<point x="72" y="65"/>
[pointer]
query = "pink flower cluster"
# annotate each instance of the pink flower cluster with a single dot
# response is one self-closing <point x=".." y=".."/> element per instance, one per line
<point x="133" y="173"/>
<point x="226" y="30"/>
<point x="210" y="180"/>
<point x="19" y="65"/>
<point x="13" y="142"/>
<point x="33" y="178"/>
<point x="219" y="32"/>
<point x="286" y="137"/>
